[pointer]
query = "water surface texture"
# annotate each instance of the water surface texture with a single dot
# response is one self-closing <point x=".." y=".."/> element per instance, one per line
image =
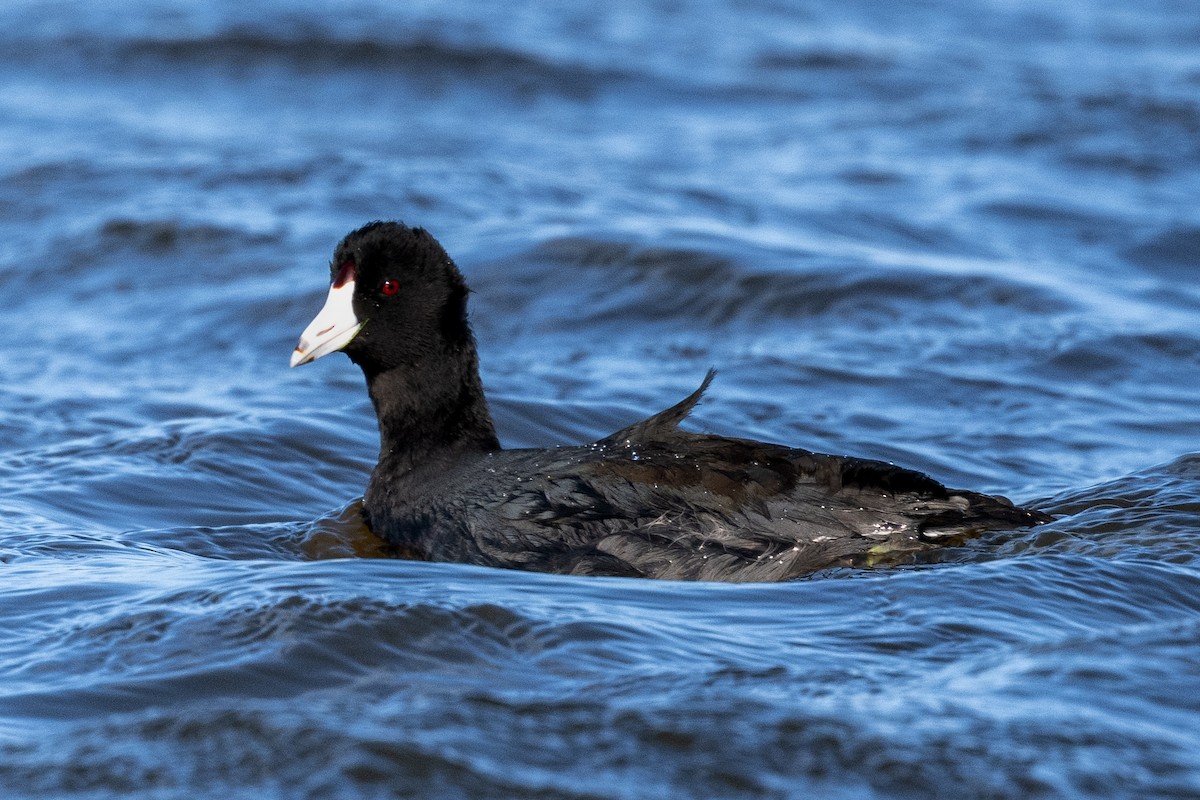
<point x="961" y="236"/>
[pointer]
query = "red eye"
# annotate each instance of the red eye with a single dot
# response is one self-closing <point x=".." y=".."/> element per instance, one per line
<point x="389" y="287"/>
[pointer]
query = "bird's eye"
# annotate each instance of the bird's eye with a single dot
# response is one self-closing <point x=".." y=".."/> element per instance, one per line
<point x="389" y="287"/>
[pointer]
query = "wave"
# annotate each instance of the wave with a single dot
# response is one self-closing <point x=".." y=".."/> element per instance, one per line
<point x="614" y="282"/>
<point x="1116" y="356"/>
<point x="486" y="683"/>
<point x="1170" y="253"/>
<point x="424" y="60"/>
<point x="158" y="236"/>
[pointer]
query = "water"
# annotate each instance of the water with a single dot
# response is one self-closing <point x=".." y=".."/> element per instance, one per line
<point x="962" y="237"/>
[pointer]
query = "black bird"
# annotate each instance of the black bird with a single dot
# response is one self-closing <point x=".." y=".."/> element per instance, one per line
<point x="650" y="500"/>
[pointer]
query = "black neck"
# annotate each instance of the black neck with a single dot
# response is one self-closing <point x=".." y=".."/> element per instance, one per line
<point x="431" y="409"/>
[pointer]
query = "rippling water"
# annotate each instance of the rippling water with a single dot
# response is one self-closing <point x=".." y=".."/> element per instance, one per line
<point x="959" y="236"/>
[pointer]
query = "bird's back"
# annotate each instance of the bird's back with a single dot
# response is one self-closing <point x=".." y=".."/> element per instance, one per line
<point x="654" y="500"/>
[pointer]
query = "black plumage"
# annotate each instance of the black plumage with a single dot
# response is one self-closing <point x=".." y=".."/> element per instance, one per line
<point x="650" y="500"/>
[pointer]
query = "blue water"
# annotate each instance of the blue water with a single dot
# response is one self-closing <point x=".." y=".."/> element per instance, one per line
<point x="961" y="236"/>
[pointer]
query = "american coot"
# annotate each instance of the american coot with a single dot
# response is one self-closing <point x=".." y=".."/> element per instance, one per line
<point x="650" y="500"/>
